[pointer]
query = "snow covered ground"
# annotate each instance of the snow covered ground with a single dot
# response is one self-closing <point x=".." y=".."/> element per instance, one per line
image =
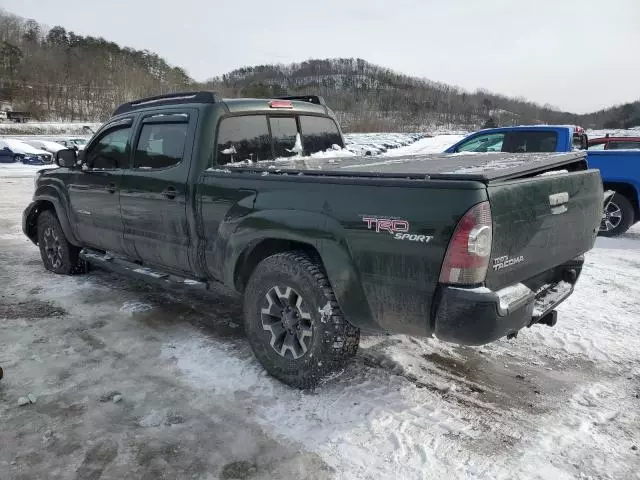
<point x="134" y="381"/>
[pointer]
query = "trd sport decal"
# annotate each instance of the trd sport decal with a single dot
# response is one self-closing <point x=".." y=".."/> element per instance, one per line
<point x="400" y="229"/>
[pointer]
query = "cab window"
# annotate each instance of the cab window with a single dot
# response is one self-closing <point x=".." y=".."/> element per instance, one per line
<point x="160" y="145"/>
<point x="286" y="140"/>
<point x="623" y="145"/>
<point x="110" y="151"/>
<point x="244" y="138"/>
<point x="490" y="142"/>
<point x="319" y="134"/>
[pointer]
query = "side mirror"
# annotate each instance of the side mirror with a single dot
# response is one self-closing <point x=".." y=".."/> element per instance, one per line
<point x="66" y="158"/>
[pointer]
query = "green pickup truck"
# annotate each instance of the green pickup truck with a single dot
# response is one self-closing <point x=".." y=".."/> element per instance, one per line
<point x="194" y="190"/>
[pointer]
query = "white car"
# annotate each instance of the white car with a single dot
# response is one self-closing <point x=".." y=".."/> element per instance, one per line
<point x="46" y="145"/>
<point x="25" y="153"/>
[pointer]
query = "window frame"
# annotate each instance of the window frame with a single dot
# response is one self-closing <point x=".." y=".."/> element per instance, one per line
<point x="104" y="131"/>
<point x="154" y="118"/>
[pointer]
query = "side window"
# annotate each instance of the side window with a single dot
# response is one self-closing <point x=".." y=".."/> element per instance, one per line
<point x="110" y="151"/>
<point x="490" y="142"/>
<point x="319" y="134"/>
<point x="597" y="146"/>
<point x="623" y="145"/>
<point x="160" y="145"/>
<point x="243" y="138"/>
<point x="286" y="140"/>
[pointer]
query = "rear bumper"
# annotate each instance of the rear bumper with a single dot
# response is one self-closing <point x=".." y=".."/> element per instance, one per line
<point x="478" y="316"/>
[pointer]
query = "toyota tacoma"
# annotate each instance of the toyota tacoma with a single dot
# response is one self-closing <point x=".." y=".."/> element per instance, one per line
<point x="194" y="190"/>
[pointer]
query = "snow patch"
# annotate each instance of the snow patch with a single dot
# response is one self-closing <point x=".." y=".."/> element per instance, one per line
<point x="135" y="307"/>
<point x="325" y="312"/>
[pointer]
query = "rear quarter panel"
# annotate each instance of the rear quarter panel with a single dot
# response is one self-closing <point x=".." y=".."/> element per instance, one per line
<point x="381" y="282"/>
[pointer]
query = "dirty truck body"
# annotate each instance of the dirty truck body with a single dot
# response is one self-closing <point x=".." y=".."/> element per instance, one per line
<point x="193" y="190"/>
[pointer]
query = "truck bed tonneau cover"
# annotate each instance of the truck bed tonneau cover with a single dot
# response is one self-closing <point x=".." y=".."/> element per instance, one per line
<point x="484" y="167"/>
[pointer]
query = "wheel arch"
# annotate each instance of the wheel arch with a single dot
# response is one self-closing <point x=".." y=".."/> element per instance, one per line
<point x="321" y="237"/>
<point x="627" y="190"/>
<point x="41" y="203"/>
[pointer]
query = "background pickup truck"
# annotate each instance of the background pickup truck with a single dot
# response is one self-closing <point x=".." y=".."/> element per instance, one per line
<point x="620" y="169"/>
<point x="192" y="190"/>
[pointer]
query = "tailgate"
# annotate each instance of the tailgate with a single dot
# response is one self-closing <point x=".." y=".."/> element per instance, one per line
<point x="542" y="222"/>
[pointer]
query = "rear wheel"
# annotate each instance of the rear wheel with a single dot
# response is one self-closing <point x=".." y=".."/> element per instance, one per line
<point x="293" y="322"/>
<point x="58" y="255"/>
<point x="617" y="216"/>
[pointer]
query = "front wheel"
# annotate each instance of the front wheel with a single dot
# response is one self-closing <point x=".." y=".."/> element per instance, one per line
<point x="58" y="255"/>
<point x="617" y="216"/>
<point x="293" y="322"/>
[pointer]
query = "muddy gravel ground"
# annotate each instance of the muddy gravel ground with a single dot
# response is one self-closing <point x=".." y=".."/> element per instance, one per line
<point x="132" y="381"/>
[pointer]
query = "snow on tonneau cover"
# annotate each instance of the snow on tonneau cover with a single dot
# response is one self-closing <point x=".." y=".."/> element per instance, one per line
<point x="540" y="220"/>
<point x="464" y="166"/>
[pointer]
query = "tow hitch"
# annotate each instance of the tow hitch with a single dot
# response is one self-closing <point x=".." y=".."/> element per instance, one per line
<point x="550" y="319"/>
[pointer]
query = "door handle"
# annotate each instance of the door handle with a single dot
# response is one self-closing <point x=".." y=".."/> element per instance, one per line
<point x="111" y="188"/>
<point x="169" y="192"/>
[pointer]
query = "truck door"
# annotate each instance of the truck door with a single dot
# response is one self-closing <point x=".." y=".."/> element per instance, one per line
<point x="155" y="190"/>
<point x="94" y="191"/>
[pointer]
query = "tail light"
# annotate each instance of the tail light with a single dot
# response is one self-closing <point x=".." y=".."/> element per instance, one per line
<point x="467" y="258"/>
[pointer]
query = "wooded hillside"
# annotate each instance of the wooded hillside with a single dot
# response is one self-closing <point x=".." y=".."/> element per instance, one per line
<point x="58" y="75"/>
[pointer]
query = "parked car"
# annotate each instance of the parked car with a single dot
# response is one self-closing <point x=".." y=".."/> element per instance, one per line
<point x="23" y="152"/>
<point x="183" y="189"/>
<point x="614" y="143"/>
<point x="46" y="145"/>
<point x="620" y="171"/>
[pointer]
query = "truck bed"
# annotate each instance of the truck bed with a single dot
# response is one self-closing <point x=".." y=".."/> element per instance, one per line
<point x="483" y="167"/>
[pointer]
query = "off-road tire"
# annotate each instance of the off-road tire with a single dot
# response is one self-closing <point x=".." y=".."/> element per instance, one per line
<point x="625" y="208"/>
<point x="333" y="340"/>
<point x="58" y="255"/>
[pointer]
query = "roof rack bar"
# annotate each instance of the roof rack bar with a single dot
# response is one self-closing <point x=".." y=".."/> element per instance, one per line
<point x="318" y="100"/>
<point x="168" y="99"/>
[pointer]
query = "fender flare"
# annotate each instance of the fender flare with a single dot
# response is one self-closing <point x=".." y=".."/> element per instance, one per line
<point x="317" y="230"/>
<point x="50" y="194"/>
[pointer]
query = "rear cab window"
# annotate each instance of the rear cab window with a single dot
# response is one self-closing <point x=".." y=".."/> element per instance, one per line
<point x="253" y="138"/>
<point x="533" y="141"/>
<point x="285" y="135"/>
<point x="319" y="134"/>
<point x="243" y="138"/>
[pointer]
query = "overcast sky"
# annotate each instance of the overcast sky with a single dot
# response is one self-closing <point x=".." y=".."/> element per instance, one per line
<point x="579" y="55"/>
